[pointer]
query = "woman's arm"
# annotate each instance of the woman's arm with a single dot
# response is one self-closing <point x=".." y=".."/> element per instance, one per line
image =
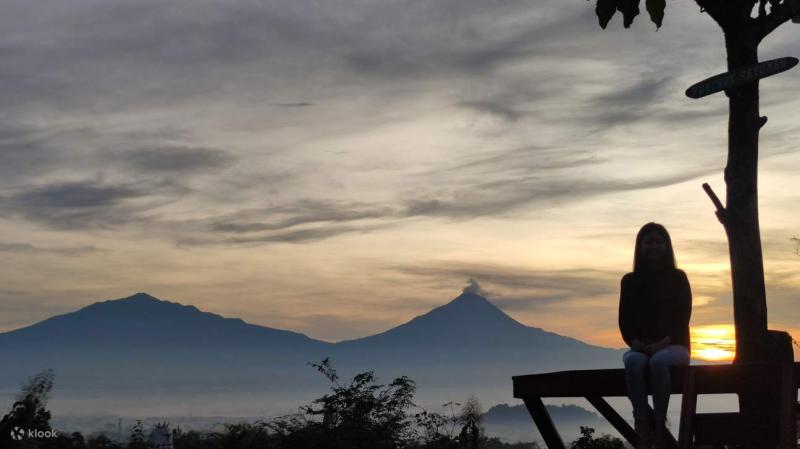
<point x="684" y="300"/>
<point x="681" y="310"/>
<point x="628" y="325"/>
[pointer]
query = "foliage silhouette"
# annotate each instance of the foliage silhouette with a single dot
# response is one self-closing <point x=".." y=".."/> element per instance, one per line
<point x="29" y="410"/>
<point x="471" y="431"/>
<point x="137" y="440"/>
<point x="587" y="441"/>
<point x="360" y="413"/>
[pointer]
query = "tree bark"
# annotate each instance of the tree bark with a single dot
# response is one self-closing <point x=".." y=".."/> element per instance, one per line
<point x="753" y="340"/>
<point x="741" y="217"/>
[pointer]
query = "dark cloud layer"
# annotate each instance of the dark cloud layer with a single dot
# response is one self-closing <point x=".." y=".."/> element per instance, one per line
<point x="80" y="205"/>
<point x="174" y="61"/>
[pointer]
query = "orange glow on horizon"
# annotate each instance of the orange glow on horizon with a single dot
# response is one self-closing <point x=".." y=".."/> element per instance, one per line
<point x="715" y="343"/>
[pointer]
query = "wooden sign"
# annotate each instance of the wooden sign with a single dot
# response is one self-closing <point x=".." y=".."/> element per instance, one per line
<point x="739" y="77"/>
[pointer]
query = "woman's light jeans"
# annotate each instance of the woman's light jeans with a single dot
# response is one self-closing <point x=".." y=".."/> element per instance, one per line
<point x="636" y="365"/>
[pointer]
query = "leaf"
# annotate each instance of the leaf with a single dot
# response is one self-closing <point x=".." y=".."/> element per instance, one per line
<point x="656" y="10"/>
<point x="629" y="10"/>
<point x="605" y="10"/>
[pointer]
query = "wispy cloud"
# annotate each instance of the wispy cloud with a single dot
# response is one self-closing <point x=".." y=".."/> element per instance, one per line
<point x="304" y="211"/>
<point x="176" y="159"/>
<point x="27" y="248"/>
<point x="516" y="288"/>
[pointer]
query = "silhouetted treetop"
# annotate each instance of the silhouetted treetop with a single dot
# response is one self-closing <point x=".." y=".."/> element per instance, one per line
<point x="729" y="14"/>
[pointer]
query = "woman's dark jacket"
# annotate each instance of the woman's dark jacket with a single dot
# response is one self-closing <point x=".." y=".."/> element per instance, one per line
<point x="654" y="304"/>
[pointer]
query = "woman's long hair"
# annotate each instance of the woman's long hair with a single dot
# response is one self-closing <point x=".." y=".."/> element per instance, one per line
<point x="639" y="262"/>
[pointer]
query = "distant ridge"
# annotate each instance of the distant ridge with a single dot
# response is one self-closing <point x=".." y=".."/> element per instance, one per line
<point x="141" y="344"/>
<point x="147" y="319"/>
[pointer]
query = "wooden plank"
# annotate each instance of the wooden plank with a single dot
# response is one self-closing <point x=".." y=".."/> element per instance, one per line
<point x="742" y="378"/>
<point x="581" y="383"/>
<point x="709" y="379"/>
<point x="615" y="419"/>
<point x="745" y="75"/>
<point x="544" y="423"/>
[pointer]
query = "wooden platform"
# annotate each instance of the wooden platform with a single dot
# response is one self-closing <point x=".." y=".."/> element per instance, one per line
<point x="594" y="385"/>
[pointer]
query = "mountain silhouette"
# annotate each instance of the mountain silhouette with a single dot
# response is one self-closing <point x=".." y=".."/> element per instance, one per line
<point x="468" y="316"/>
<point x="144" y="344"/>
<point x="146" y="320"/>
<point x="472" y="333"/>
<point x="468" y="319"/>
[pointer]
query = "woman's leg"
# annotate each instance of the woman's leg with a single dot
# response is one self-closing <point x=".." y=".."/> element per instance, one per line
<point x="635" y="369"/>
<point x="660" y="362"/>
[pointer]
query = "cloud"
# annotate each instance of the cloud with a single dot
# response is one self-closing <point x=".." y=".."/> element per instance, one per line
<point x="27" y="248"/>
<point x="301" y="212"/>
<point x="629" y="104"/>
<point x="514" y="288"/>
<point x="473" y="287"/>
<point x="25" y="152"/>
<point x="498" y="107"/>
<point x="76" y="205"/>
<point x="305" y="235"/>
<point x="301" y="104"/>
<point x="176" y="159"/>
<point x="525" y="160"/>
<point x="501" y="196"/>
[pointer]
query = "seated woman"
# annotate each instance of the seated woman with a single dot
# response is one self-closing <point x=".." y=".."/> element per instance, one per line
<point x="654" y="309"/>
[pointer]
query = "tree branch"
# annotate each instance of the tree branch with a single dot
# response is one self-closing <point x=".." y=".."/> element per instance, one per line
<point x="721" y="211"/>
<point x="778" y="15"/>
<point x="715" y="9"/>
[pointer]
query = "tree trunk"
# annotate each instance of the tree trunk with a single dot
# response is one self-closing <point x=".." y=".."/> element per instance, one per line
<point x="754" y="343"/>
<point x="741" y="218"/>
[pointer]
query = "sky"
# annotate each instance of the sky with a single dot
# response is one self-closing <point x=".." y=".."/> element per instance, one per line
<point x="339" y="167"/>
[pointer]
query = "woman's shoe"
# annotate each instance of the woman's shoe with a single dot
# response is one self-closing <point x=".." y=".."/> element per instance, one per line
<point x="645" y="433"/>
<point x="660" y="439"/>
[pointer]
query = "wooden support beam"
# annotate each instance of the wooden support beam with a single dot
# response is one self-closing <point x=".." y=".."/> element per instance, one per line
<point x="688" y="409"/>
<point x="613" y="417"/>
<point x="544" y="423"/>
<point x="788" y="419"/>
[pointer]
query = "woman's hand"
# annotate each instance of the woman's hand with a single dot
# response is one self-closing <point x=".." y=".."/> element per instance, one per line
<point x="638" y="345"/>
<point x="652" y="348"/>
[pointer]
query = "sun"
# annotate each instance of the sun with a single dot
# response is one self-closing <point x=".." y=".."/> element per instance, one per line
<point x="715" y="343"/>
